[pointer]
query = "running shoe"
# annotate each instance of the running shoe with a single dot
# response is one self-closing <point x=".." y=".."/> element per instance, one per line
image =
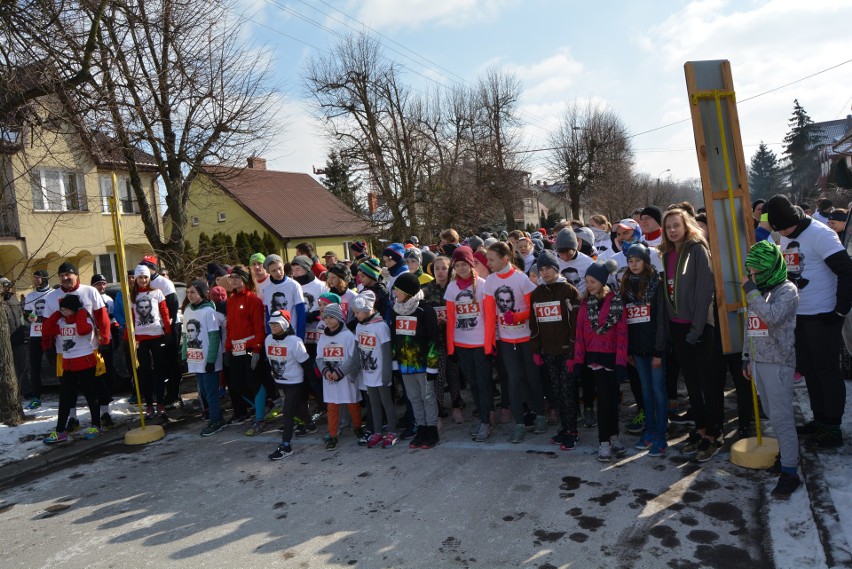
<point x="374" y="440"/>
<point x="92" y="433"/>
<point x="389" y="440"/>
<point x="690" y="447"/>
<point x="637" y="425"/>
<point x="604" y="452"/>
<point x="212" y="428"/>
<point x="787" y="484"/>
<point x="518" y="434"/>
<point x="589" y="419"/>
<point x="256" y="428"/>
<point x="485" y="430"/>
<point x="283" y="451"/>
<point x="73" y="425"/>
<point x="107" y="422"/>
<point x="34" y="404"/>
<point x="569" y="440"/>
<point x="617" y="448"/>
<point x="707" y="450"/>
<point x="331" y="443"/>
<point x="540" y="425"/>
<point x="55" y="437"/>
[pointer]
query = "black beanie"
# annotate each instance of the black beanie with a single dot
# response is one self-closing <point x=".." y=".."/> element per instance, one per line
<point x="781" y="213"/>
<point x="67" y="267"/>
<point x="653" y="211"/>
<point x="201" y="287"/>
<point x="71" y="302"/>
<point x="407" y="283"/>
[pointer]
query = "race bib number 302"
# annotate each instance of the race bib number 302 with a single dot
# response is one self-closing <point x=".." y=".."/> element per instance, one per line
<point x="637" y="313"/>
<point x="406" y="325"/>
<point x="548" y="311"/>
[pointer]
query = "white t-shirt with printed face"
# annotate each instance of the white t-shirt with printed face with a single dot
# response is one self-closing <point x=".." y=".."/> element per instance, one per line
<point x="312" y="291"/>
<point x="35" y="303"/>
<point x="805" y="257"/>
<point x="334" y="350"/>
<point x="286" y="358"/>
<point x="371" y="337"/>
<point x="197" y="325"/>
<point x="510" y="295"/>
<point x="285" y="295"/>
<point x="72" y="345"/>
<point x="147" y="320"/>
<point x="469" y="315"/>
<point x="574" y="270"/>
<point x="89" y="297"/>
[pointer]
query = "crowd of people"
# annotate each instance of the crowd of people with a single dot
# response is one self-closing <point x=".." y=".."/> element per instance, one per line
<point x="542" y="329"/>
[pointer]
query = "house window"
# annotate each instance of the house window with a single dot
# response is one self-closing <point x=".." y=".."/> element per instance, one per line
<point x="58" y="190"/>
<point x="126" y="197"/>
<point x="221" y="217"/>
<point x="105" y="265"/>
<point x="346" y="245"/>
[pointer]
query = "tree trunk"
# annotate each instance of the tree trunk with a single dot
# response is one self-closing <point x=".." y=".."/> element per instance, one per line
<point x="11" y="412"/>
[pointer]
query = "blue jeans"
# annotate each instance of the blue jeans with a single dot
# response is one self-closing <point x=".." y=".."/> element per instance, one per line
<point x="655" y="399"/>
<point x="208" y="386"/>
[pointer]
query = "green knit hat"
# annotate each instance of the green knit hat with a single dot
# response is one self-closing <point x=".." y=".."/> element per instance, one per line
<point x="257" y="258"/>
<point x="766" y="258"/>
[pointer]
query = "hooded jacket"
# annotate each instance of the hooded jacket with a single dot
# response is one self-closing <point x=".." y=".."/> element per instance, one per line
<point x="692" y="285"/>
<point x="553" y="318"/>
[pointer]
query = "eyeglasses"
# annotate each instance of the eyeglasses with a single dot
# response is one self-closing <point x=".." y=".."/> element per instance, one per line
<point x="234" y="277"/>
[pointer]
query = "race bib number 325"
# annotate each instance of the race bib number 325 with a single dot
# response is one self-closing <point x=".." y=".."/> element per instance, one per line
<point x="637" y="313"/>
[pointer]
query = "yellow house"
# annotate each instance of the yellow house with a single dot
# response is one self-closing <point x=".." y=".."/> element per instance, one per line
<point x="54" y="203"/>
<point x="292" y="207"/>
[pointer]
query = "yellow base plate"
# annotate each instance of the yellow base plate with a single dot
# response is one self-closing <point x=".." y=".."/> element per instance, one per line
<point x="144" y="435"/>
<point x="747" y="454"/>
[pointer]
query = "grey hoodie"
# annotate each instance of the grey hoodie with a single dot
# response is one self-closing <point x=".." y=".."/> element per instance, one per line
<point x="694" y="287"/>
<point x="777" y="308"/>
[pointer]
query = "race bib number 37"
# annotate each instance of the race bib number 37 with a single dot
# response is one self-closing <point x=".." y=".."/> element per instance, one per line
<point x="637" y="313"/>
<point x="548" y="311"/>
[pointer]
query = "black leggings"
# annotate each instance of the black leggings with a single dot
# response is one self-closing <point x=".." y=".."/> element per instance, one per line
<point x="36" y="354"/>
<point x="706" y="395"/>
<point x="152" y="370"/>
<point x="295" y="405"/>
<point x="69" y="384"/>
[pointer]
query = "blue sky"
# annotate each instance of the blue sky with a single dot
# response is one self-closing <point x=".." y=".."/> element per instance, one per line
<point x="628" y="56"/>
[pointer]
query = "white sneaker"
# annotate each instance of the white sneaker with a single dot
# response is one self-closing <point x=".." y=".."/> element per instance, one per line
<point x="604" y="452"/>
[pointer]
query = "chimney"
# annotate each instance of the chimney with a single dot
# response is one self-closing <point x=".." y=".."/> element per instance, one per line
<point x="256" y="163"/>
<point x="372" y="202"/>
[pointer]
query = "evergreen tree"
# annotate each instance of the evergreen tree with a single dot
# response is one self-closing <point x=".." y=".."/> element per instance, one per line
<point x="205" y="246"/>
<point x="764" y="173"/>
<point x="224" y="250"/>
<point x="243" y="247"/>
<point x="802" y="168"/>
<point x="256" y="243"/>
<point x="338" y="180"/>
<point x="269" y="245"/>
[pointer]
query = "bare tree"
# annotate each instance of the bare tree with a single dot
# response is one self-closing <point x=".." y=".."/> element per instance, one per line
<point x="174" y="79"/>
<point x="591" y="153"/>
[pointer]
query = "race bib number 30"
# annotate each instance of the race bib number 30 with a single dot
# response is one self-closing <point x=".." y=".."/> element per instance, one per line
<point x="548" y="311"/>
<point x="333" y="354"/>
<point x="755" y="326"/>
<point x="637" y="313"/>
<point x="406" y="325"/>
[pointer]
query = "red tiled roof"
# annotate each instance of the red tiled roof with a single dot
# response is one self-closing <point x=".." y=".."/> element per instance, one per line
<point x="291" y="204"/>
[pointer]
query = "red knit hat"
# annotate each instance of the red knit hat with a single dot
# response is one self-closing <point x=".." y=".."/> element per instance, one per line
<point x="464" y="253"/>
<point x="480" y="256"/>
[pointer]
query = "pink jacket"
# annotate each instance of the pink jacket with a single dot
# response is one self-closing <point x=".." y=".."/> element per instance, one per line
<point x="593" y="348"/>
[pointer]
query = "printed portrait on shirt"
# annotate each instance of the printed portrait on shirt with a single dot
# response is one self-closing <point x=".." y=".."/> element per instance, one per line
<point x="38" y="309"/>
<point x="279" y="301"/>
<point x="469" y="323"/>
<point x="277" y="365"/>
<point x="368" y="360"/>
<point x="193" y="329"/>
<point x="144" y="311"/>
<point x="504" y="297"/>
<point x="309" y="301"/>
<point x="572" y="275"/>
<point x="795" y="260"/>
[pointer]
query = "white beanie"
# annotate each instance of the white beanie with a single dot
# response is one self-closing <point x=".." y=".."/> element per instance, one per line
<point x="364" y="302"/>
<point x="278" y="318"/>
<point x="142" y="271"/>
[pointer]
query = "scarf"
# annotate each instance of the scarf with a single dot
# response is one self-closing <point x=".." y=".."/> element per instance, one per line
<point x="464" y="283"/>
<point x="653" y="235"/>
<point x="766" y="258"/>
<point x="594" y="306"/>
<point x="304" y="279"/>
<point x="408" y="307"/>
<point x="640" y="290"/>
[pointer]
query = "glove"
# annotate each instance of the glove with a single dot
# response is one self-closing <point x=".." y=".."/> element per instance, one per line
<point x="693" y="337"/>
<point x="538" y="360"/>
<point x="431" y="376"/>
<point x="255" y="359"/>
<point x="620" y="373"/>
<point x="209" y="368"/>
<point x="226" y="359"/>
<point x="509" y="317"/>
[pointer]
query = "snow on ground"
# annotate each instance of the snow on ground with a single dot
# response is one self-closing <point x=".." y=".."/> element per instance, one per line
<point x="24" y="441"/>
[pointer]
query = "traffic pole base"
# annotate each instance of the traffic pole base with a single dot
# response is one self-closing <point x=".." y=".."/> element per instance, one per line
<point x="746" y="453"/>
<point x="144" y="435"/>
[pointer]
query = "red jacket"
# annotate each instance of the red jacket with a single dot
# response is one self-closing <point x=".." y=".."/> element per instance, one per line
<point x="244" y="318"/>
<point x="592" y="348"/>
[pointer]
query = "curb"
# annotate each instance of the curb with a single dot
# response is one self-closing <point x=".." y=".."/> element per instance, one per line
<point x="62" y="454"/>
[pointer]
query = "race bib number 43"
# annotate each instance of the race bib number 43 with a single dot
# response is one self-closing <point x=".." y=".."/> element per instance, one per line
<point x="406" y="325"/>
<point x="637" y="313"/>
<point x="276" y="351"/>
<point x="548" y="311"/>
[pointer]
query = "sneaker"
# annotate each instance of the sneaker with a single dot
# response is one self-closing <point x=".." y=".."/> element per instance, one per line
<point x="809" y="429"/>
<point x="642" y="444"/>
<point x="418" y="437"/>
<point x="529" y="420"/>
<point x="684" y="418"/>
<point x="161" y="410"/>
<point x="589" y="418"/>
<point x="540" y="425"/>
<point x="238" y="419"/>
<point x="430" y="438"/>
<point x="558" y="437"/>
<point x="363" y="436"/>
<point x="657" y="450"/>
<point x="707" y="450"/>
<point x="331" y="443"/>
<point x="92" y="433"/>
<point x="212" y="428"/>
<point x="275" y="412"/>
<point x="408" y="433"/>
<point x="604" y="452"/>
<point x="474" y="429"/>
<point x="283" y="451"/>
<point x="690" y="447"/>
<point x="826" y="439"/>
<point x="374" y="440"/>
<point x="637" y="425"/>
<point x="485" y="430"/>
<point x="72" y="426"/>
<point x="256" y="428"/>
<point x="743" y="433"/>
<point x="569" y="440"/>
<point x="149" y="412"/>
<point x="34" y="404"/>
<point x="616" y="446"/>
<point x="787" y="484"/>
<point x="518" y="434"/>
<point x="55" y="437"/>
<point x="389" y="440"/>
<point x="107" y="422"/>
